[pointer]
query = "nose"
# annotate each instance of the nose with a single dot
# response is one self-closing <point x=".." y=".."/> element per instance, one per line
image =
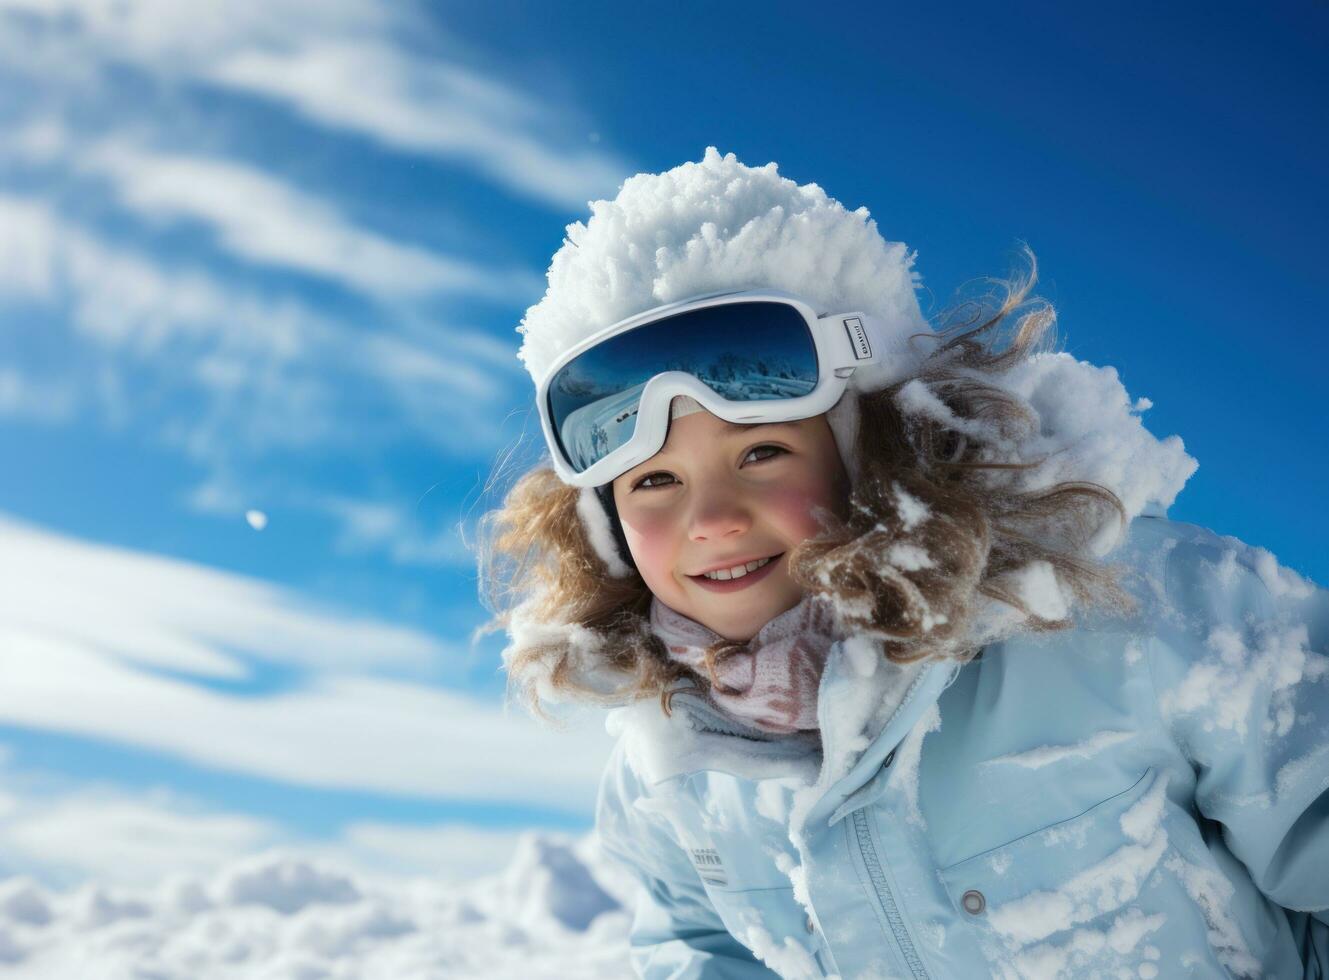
<point x="719" y="513"/>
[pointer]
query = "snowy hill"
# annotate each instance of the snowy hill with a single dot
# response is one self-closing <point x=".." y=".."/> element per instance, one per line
<point x="556" y="911"/>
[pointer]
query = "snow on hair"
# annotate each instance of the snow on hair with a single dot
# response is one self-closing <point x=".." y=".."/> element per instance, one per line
<point x="574" y="631"/>
<point x="976" y="509"/>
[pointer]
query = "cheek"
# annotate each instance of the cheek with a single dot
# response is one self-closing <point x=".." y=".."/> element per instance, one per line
<point x="792" y="508"/>
<point x="652" y="539"/>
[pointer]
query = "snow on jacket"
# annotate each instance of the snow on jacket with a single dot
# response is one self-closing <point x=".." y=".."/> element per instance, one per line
<point x="1144" y="796"/>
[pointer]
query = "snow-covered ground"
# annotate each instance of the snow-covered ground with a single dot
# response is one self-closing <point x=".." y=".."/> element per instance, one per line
<point x="556" y="911"/>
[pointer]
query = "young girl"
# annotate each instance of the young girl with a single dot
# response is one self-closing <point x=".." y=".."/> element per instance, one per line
<point x="914" y="678"/>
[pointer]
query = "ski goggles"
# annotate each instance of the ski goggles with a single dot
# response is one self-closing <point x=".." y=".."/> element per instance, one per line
<point x="747" y="357"/>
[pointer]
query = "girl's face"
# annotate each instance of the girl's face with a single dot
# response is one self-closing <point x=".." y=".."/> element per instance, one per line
<point x="720" y="497"/>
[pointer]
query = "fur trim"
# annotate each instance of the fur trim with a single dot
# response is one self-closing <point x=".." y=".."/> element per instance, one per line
<point x="843" y="420"/>
<point x="598" y="532"/>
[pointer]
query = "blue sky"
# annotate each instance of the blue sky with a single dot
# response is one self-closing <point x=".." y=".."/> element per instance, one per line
<point x="268" y="259"/>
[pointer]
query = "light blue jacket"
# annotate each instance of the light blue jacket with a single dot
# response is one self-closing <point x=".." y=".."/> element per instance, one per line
<point x="1143" y="796"/>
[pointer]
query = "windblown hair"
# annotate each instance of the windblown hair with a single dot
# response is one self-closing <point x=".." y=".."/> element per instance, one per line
<point x="939" y="532"/>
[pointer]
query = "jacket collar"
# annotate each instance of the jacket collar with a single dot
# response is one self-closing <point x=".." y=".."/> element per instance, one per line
<point x="865" y="707"/>
<point x="696" y="737"/>
<point x="869" y="718"/>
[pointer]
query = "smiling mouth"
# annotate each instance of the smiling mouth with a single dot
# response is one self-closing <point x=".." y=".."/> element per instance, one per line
<point x="737" y="575"/>
<point x="735" y="571"/>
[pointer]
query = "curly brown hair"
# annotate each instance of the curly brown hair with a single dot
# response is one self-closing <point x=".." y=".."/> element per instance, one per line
<point x="941" y="483"/>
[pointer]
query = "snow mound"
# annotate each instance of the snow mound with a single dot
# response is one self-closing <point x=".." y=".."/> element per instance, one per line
<point x="555" y="912"/>
<point x="23" y="901"/>
<point x="547" y="881"/>
<point x="285" y="884"/>
<point x="1090" y="430"/>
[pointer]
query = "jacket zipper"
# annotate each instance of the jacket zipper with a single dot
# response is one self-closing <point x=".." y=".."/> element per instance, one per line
<point x="885" y="898"/>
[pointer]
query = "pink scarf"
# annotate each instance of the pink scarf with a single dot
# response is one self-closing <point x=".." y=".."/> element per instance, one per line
<point x="771" y="681"/>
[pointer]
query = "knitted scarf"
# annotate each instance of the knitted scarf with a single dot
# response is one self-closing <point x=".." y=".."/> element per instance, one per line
<point x="771" y="681"/>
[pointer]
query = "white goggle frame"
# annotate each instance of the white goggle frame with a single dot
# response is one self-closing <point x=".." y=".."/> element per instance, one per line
<point x="842" y="341"/>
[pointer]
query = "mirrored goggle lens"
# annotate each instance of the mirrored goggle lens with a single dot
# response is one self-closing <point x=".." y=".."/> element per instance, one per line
<point x="744" y="352"/>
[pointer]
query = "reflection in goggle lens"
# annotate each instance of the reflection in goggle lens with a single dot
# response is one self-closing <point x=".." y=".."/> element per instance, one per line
<point x="755" y="351"/>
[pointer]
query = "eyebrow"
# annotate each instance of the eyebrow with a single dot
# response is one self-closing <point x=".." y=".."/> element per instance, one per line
<point x="733" y="426"/>
<point x="730" y="427"/>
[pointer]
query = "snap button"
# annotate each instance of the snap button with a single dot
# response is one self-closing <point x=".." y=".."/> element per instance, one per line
<point x="973" y="902"/>
<point x="807" y="921"/>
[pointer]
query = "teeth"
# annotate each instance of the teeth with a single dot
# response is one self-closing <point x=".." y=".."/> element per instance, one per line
<point x="738" y="571"/>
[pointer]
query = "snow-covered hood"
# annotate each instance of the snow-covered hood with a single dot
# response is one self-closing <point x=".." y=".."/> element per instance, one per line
<point x="714" y="226"/>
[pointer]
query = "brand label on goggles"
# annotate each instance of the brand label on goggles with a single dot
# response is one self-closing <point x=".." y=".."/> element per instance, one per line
<point x="858" y="337"/>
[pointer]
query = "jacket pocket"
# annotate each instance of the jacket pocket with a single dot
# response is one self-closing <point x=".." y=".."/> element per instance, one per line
<point x="754" y="898"/>
<point x="1082" y="877"/>
<point x="771" y="923"/>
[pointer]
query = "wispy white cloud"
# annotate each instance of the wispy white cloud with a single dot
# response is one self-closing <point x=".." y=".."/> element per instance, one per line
<point x="397" y="527"/>
<point x="262" y="374"/>
<point x="40" y="400"/>
<point x="341" y="65"/>
<point x="163" y="612"/>
<point x="29" y="238"/>
<point x="427" y="106"/>
<point x="389" y="526"/>
<point x="121" y="838"/>
<point x="273" y="372"/>
<point x="458" y="374"/>
<point x="265" y="220"/>
<point x="342" y="732"/>
<point x="261" y="218"/>
<point x="447" y="850"/>
<point x="223" y="361"/>
<point x="79" y="623"/>
<point x="63" y="832"/>
<point x="174" y="34"/>
<point x="122" y="298"/>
